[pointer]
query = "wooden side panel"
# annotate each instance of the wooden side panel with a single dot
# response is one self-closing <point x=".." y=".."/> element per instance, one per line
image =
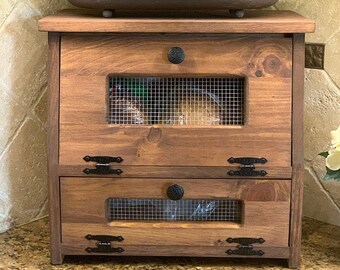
<point x="297" y="150"/>
<point x="266" y="206"/>
<point x="53" y="146"/>
<point x="84" y="130"/>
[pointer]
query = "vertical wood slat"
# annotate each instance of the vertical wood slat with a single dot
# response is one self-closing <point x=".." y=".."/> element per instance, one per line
<point x="297" y="149"/>
<point x="53" y="146"/>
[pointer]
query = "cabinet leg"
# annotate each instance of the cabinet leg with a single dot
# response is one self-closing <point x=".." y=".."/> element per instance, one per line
<point x="294" y="263"/>
<point x="57" y="259"/>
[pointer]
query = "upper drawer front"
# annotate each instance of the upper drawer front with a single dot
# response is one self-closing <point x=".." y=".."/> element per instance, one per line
<point x="264" y="129"/>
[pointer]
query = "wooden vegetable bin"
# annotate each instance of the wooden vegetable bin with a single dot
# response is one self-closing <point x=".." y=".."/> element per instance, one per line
<point x="176" y="136"/>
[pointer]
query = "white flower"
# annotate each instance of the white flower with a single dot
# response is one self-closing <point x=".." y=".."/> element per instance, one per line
<point x="335" y="134"/>
<point x="333" y="160"/>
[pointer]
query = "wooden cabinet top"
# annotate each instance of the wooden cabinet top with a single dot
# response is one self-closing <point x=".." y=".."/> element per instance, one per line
<point x="260" y="21"/>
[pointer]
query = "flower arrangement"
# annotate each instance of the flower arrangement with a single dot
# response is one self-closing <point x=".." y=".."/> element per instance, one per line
<point x="333" y="157"/>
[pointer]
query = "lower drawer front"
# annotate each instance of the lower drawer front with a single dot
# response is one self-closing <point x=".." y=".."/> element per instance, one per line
<point x="210" y="212"/>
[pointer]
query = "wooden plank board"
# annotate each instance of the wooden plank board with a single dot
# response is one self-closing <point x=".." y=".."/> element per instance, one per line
<point x="53" y="146"/>
<point x="275" y="236"/>
<point x="265" y="21"/>
<point x="297" y="151"/>
<point x="180" y="251"/>
<point x="220" y="55"/>
<point x="84" y="200"/>
<point x="176" y="172"/>
<point x="84" y="130"/>
<point x="266" y="206"/>
<point x="176" y="148"/>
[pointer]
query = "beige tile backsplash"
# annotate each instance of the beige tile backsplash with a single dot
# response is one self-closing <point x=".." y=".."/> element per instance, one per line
<point x="23" y="83"/>
<point x="322" y="107"/>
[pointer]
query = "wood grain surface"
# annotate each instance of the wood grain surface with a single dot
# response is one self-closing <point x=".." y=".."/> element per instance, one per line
<point x="266" y="48"/>
<point x="53" y="146"/>
<point x="297" y="151"/>
<point x="180" y="251"/>
<point x="275" y="236"/>
<point x="87" y="61"/>
<point x="84" y="199"/>
<point x="266" y="206"/>
<point x="176" y="172"/>
<point x="264" y="21"/>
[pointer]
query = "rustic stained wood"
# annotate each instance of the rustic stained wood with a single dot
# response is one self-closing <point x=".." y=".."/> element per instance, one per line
<point x="179" y="251"/>
<point x="297" y="150"/>
<point x="53" y="146"/>
<point x="77" y="192"/>
<point x="265" y="21"/>
<point x="266" y="211"/>
<point x="266" y="47"/>
<point x="176" y="172"/>
<point x="275" y="235"/>
<point x="84" y="130"/>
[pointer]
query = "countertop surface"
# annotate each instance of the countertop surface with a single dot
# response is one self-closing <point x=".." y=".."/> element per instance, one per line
<point x="27" y="247"/>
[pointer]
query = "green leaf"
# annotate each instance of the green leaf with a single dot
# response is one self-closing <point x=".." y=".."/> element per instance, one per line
<point x="324" y="154"/>
<point x="332" y="175"/>
<point x="137" y="89"/>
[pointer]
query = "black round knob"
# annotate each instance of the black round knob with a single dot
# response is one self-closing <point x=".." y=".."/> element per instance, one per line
<point x="176" y="55"/>
<point x="175" y="192"/>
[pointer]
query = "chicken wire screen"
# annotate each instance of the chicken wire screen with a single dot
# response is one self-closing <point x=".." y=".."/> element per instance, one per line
<point x="169" y="210"/>
<point x="176" y="101"/>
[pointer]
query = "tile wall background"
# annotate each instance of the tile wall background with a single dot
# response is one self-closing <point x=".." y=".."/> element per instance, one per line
<point x="322" y="107"/>
<point x="23" y="82"/>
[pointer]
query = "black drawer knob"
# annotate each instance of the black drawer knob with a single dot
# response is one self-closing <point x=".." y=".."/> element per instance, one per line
<point x="175" y="192"/>
<point x="176" y="55"/>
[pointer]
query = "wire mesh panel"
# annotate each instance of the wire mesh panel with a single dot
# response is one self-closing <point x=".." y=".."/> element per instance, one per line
<point x="168" y="210"/>
<point x="176" y="101"/>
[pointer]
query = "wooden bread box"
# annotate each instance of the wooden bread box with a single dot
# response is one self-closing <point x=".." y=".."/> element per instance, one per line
<point x="176" y="136"/>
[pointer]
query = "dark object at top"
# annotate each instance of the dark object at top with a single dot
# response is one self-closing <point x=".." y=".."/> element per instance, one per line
<point x="173" y="4"/>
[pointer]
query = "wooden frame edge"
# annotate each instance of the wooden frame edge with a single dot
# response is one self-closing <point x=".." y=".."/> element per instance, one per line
<point x="297" y="150"/>
<point x="54" y="40"/>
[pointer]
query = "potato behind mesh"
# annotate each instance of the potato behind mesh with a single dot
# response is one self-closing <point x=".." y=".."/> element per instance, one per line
<point x="193" y="108"/>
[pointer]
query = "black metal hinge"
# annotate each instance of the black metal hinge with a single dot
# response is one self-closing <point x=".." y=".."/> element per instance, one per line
<point x="105" y="238"/>
<point x="247" y="167"/>
<point x="245" y="247"/>
<point x="104" y="244"/>
<point x="103" y="165"/>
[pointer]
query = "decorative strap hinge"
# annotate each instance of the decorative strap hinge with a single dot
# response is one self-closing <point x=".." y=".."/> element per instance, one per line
<point x="103" y="165"/>
<point x="104" y="244"/>
<point x="247" y="167"/>
<point x="245" y="247"/>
